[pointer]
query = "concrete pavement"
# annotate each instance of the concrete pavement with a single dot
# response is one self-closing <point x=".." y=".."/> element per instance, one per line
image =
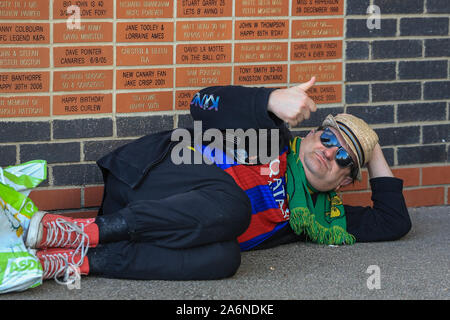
<point x="415" y="267"/>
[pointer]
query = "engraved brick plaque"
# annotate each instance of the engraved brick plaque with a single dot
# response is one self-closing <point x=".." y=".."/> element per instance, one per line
<point x="83" y="56"/>
<point x="323" y="71"/>
<point x="24" y="57"/>
<point x="261" y="29"/>
<point x="89" y="9"/>
<point x="24" y="106"/>
<point x="82" y="80"/>
<point x="144" y="31"/>
<point x="317" y="28"/>
<point x="260" y="51"/>
<point x="24" y="33"/>
<point x="130" y="9"/>
<point x="316" y="50"/>
<point x="24" y="9"/>
<point x="88" y="32"/>
<point x="82" y="104"/>
<point x="260" y="74"/>
<point x="204" y="30"/>
<point x="322" y="94"/>
<point x="144" y="101"/>
<point x="203" y="53"/>
<point x="183" y="99"/>
<point x="203" y="76"/>
<point x="317" y="7"/>
<point x="144" y="55"/>
<point x="204" y="8"/>
<point x="144" y="78"/>
<point x="24" y="82"/>
<point x="261" y="8"/>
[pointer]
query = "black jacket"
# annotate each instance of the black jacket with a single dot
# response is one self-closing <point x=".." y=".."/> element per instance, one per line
<point x="233" y="107"/>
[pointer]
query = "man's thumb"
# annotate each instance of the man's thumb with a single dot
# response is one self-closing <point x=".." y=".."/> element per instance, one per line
<point x="307" y="85"/>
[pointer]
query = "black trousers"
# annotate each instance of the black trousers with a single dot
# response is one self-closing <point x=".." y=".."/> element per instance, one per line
<point x="182" y="222"/>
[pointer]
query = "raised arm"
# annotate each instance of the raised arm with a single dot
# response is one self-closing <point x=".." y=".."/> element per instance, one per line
<point x="377" y="165"/>
<point x="388" y="218"/>
<point x="230" y="107"/>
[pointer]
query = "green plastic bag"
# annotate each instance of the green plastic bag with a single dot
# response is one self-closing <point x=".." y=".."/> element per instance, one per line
<point x="19" y="267"/>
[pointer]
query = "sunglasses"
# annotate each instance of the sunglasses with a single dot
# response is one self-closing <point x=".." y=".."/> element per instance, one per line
<point x="343" y="158"/>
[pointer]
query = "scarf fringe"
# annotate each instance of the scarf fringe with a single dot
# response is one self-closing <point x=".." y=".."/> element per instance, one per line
<point x="302" y="221"/>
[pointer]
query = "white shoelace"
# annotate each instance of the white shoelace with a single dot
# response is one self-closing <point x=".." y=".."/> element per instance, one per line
<point x="57" y="265"/>
<point x="66" y="228"/>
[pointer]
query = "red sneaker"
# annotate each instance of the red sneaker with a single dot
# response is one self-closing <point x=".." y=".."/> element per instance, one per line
<point x="64" y="265"/>
<point x="55" y="231"/>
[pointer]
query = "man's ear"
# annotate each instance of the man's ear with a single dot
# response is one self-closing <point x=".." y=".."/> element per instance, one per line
<point x="347" y="180"/>
<point x="311" y="132"/>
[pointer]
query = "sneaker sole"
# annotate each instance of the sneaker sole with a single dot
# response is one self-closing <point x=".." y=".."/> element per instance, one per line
<point x="34" y="230"/>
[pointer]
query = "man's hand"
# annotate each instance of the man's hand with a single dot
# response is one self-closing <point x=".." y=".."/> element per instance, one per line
<point x="292" y="105"/>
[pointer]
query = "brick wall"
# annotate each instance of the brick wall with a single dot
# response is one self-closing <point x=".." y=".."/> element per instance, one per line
<point x="71" y="96"/>
<point x="397" y="79"/>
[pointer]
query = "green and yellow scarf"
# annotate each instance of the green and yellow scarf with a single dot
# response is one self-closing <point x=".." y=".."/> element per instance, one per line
<point x="323" y="222"/>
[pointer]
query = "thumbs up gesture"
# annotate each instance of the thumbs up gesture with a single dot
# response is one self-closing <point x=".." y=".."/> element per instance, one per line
<point x="292" y="105"/>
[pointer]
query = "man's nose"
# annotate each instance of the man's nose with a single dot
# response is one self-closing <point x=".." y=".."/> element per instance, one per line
<point x="330" y="153"/>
